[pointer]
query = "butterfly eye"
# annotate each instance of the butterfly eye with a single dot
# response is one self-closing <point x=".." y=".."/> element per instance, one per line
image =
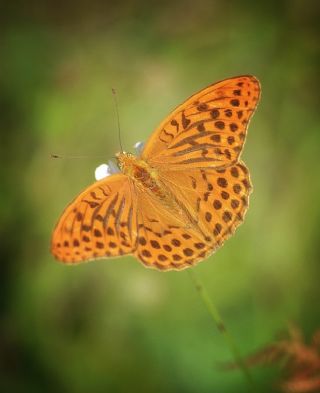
<point x="138" y="147"/>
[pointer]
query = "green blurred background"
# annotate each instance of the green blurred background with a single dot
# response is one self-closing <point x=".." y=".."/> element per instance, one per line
<point x="114" y="326"/>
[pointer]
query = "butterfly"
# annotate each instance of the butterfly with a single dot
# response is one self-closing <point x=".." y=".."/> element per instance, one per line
<point x="175" y="203"/>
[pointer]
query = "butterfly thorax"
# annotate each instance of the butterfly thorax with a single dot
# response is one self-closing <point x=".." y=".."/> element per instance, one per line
<point x="142" y="174"/>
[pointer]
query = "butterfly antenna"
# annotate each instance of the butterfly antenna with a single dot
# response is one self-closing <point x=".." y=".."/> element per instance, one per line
<point x="57" y="156"/>
<point x="118" y="117"/>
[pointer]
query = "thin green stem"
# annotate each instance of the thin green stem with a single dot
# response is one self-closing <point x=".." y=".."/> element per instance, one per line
<point x="220" y="325"/>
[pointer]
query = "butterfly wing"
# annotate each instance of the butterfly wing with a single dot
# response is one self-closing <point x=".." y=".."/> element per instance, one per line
<point x="213" y="204"/>
<point x="100" y="222"/>
<point x="217" y="200"/>
<point x="207" y="130"/>
<point x="196" y="152"/>
<point x="165" y="241"/>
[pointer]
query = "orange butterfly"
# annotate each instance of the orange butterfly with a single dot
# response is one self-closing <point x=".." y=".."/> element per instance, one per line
<point x="181" y="198"/>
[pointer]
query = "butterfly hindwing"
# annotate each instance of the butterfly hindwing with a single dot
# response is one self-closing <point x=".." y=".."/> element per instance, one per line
<point x="165" y="241"/>
<point x="213" y="204"/>
<point x="217" y="200"/>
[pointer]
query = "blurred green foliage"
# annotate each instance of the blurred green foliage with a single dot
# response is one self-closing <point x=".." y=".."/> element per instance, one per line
<point x="114" y="326"/>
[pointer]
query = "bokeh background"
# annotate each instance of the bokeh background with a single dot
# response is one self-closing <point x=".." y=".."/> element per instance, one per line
<point x="114" y="326"/>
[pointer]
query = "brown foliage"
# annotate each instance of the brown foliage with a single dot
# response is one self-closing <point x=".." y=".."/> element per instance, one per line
<point x="300" y="361"/>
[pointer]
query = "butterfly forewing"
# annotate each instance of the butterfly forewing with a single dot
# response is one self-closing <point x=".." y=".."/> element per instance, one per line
<point x="207" y="130"/>
<point x="100" y="222"/>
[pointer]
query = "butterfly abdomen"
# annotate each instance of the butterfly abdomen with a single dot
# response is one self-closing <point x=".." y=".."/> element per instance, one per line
<point x="147" y="180"/>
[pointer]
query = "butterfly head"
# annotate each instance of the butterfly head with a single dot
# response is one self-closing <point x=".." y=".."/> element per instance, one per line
<point x="133" y="166"/>
<point x="125" y="161"/>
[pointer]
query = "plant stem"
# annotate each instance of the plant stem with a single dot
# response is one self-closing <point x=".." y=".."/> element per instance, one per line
<point x="220" y="325"/>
